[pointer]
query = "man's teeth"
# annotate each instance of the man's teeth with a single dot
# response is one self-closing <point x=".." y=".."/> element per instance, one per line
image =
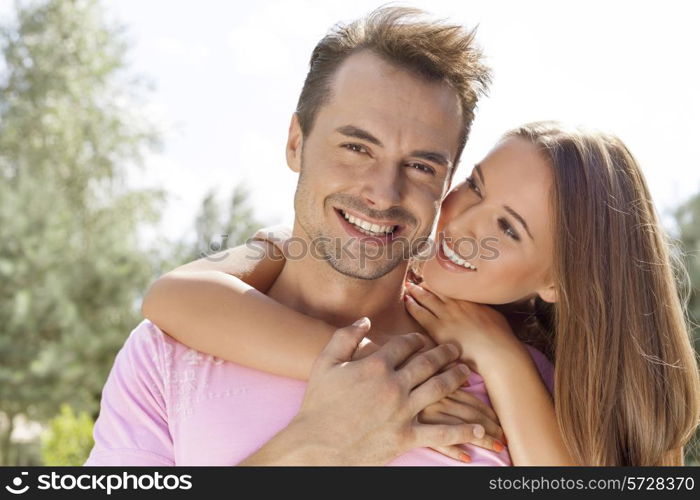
<point x="367" y="227"/>
<point x="450" y="254"/>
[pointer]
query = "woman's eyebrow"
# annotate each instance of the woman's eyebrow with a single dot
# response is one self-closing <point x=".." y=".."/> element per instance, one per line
<point x="477" y="167"/>
<point x="517" y="216"/>
<point x="512" y="212"/>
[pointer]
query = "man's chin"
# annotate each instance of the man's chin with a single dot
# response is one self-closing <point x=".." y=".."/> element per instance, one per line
<point x="356" y="271"/>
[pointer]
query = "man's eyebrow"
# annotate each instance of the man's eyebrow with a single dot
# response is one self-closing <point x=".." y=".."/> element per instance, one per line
<point x="358" y="133"/>
<point x="517" y="216"/>
<point x="434" y="157"/>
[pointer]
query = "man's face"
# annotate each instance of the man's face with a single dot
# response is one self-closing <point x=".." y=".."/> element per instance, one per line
<point x="380" y="152"/>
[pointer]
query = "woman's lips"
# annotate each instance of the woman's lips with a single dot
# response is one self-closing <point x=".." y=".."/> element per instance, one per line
<point x="447" y="263"/>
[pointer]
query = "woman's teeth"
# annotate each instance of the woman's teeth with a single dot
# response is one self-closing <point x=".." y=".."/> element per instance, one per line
<point x="367" y="227"/>
<point x="450" y="254"/>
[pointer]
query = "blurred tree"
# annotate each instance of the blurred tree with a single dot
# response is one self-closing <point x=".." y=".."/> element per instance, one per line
<point x="216" y="228"/>
<point x="68" y="438"/>
<point x="688" y="223"/>
<point x="71" y="271"/>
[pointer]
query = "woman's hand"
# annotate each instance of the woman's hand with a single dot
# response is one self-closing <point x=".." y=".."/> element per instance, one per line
<point x="462" y="407"/>
<point x="480" y="331"/>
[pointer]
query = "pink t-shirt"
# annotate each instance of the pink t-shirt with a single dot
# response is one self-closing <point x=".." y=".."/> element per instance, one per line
<point x="167" y="404"/>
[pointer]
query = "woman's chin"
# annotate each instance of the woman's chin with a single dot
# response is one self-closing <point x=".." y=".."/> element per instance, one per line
<point x="459" y="286"/>
<point x="444" y="282"/>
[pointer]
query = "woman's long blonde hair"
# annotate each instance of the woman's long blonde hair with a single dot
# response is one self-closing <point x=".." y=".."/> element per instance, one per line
<point x="627" y="390"/>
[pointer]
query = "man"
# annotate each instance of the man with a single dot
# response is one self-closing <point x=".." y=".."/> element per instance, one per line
<point x="381" y="122"/>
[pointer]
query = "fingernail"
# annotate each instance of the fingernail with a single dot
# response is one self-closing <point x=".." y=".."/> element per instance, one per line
<point x="498" y="446"/>
<point x="464" y="368"/>
<point x="479" y="431"/>
<point x="362" y="322"/>
<point x="465" y="458"/>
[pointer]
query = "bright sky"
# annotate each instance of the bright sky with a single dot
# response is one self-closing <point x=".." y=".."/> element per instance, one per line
<point x="227" y="76"/>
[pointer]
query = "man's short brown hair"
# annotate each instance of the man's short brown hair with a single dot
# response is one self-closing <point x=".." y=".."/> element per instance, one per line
<point x="435" y="50"/>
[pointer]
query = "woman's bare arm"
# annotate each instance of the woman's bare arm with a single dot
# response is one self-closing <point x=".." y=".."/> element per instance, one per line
<point x="525" y="409"/>
<point x="216" y="305"/>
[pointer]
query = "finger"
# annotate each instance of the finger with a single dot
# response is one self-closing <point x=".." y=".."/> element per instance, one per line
<point x="365" y="348"/>
<point x="426" y="297"/>
<point x="437" y="435"/>
<point x="441" y="435"/>
<point x="471" y="415"/>
<point x="400" y="348"/>
<point x="478" y="437"/>
<point x="425" y="365"/>
<point x="437" y="387"/>
<point x="422" y="315"/>
<point x="465" y="397"/>
<point x="454" y="452"/>
<point x="344" y="342"/>
<point x="426" y="417"/>
<point x="426" y="286"/>
<point x="454" y="363"/>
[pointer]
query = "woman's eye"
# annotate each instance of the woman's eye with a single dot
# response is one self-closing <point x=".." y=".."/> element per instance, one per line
<point x="508" y="229"/>
<point x="472" y="185"/>
<point x="357" y="148"/>
<point x="422" y="168"/>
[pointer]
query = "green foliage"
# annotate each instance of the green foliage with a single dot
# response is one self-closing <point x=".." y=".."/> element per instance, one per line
<point x="688" y="223"/>
<point x="68" y="439"/>
<point x="217" y="228"/>
<point x="71" y="271"/>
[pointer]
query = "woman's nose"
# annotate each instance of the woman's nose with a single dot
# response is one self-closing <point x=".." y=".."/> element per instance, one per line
<point x="469" y="228"/>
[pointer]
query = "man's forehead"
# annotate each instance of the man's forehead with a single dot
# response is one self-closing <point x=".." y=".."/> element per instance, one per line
<point x="375" y="95"/>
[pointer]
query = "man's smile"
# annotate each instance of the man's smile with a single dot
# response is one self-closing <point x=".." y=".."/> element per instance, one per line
<point x="366" y="229"/>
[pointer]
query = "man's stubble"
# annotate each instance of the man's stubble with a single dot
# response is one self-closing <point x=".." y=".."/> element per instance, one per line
<point x="358" y="261"/>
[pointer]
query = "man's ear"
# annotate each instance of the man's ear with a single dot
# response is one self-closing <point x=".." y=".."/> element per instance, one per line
<point x="548" y="294"/>
<point x="295" y="140"/>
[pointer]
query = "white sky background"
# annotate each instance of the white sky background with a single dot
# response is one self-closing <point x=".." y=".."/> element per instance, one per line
<point x="227" y="75"/>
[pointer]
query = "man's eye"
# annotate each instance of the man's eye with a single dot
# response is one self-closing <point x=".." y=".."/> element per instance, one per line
<point x="472" y="185"/>
<point x="422" y="168"/>
<point x="357" y="148"/>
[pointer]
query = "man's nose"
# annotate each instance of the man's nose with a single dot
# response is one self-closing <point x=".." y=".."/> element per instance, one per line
<point x="383" y="186"/>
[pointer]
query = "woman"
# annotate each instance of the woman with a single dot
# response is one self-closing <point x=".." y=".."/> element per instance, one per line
<point x="567" y="239"/>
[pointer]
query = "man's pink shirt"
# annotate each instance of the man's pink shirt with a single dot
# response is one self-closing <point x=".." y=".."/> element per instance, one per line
<point x="167" y="404"/>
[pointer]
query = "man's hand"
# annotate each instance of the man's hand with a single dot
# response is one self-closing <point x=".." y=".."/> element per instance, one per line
<point x="364" y="412"/>
<point x="458" y="407"/>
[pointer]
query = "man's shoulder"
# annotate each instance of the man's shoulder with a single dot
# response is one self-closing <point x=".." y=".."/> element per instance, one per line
<point x="147" y="335"/>
<point x="148" y="343"/>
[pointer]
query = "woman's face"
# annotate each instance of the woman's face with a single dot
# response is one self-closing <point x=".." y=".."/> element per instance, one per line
<point x="498" y="221"/>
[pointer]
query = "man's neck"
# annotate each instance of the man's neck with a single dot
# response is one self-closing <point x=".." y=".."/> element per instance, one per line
<point x="311" y="286"/>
